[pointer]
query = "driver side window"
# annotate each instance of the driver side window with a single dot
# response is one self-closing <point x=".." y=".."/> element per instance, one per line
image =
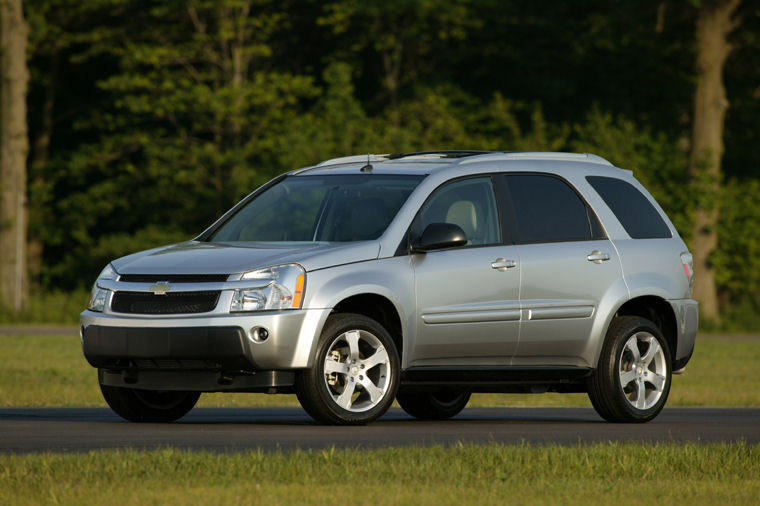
<point x="470" y="204"/>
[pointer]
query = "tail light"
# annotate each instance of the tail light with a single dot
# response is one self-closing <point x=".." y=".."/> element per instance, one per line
<point x="688" y="267"/>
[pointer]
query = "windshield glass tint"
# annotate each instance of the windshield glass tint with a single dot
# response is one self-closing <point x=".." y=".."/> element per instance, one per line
<point x="320" y="208"/>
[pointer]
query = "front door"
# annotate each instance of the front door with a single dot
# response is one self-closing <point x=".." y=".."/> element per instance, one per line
<point x="468" y="305"/>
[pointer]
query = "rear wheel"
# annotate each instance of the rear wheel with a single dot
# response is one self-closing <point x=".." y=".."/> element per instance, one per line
<point x="437" y="404"/>
<point x="149" y="405"/>
<point x="355" y="374"/>
<point x="632" y="380"/>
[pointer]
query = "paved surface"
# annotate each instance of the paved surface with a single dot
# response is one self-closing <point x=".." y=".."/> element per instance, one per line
<point x="24" y="430"/>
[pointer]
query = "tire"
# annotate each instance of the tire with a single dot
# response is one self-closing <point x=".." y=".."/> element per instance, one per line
<point x="632" y="380"/>
<point x="355" y="374"/>
<point x="434" y="405"/>
<point x="149" y="405"/>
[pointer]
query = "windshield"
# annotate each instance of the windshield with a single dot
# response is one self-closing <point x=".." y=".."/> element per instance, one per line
<point x="320" y="208"/>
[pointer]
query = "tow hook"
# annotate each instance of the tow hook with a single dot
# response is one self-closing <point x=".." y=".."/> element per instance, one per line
<point x="129" y="377"/>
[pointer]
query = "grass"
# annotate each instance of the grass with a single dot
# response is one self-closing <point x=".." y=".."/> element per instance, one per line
<point x="49" y="308"/>
<point x="51" y="371"/>
<point x="467" y="474"/>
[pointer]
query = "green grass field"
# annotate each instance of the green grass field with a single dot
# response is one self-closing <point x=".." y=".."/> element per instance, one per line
<point x="469" y="474"/>
<point x="48" y="307"/>
<point x="51" y="371"/>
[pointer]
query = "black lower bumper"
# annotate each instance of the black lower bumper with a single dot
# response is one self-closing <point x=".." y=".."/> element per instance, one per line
<point x="197" y="348"/>
<point x="200" y="381"/>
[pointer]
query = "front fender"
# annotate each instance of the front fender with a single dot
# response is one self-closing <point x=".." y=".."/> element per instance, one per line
<point x="391" y="278"/>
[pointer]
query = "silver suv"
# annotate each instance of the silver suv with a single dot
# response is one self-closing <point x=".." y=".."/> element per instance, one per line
<point x="421" y="277"/>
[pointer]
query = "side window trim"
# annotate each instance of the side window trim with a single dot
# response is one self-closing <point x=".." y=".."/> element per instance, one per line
<point x="507" y="213"/>
<point x="403" y="247"/>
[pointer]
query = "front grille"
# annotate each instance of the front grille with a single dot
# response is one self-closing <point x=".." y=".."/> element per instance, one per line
<point x="170" y="303"/>
<point x="173" y="278"/>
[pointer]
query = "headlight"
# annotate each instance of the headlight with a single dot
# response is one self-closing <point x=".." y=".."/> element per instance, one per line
<point x="98" y="298"/>
<point x="98" y="295"/>
<point x="279" y="287"/>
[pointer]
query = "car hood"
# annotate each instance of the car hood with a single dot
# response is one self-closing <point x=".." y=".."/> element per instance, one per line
<point x="194" y="257"/>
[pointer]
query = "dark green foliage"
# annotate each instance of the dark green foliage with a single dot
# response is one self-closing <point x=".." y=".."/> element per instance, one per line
<point x="149" y="119"/>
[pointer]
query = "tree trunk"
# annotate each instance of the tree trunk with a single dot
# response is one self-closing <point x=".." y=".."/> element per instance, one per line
<point x="37" y="163"/>
<point x="14" y="145"/>
<point x="714" y="23"/>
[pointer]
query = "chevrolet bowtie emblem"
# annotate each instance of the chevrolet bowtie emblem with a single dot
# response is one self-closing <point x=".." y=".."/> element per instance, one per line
<point x="160" y="288"/>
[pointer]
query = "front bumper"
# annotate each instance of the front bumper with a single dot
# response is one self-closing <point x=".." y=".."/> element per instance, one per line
<point x="212" y="342"/>
<point x="223" y="348"/>
<point x="200" y="381"/>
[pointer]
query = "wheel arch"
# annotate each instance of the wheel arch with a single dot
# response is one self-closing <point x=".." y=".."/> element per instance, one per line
<point x="380" y="309"/>
<point x="658" y="311"/>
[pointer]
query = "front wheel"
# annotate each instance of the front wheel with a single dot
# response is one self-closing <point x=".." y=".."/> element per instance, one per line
<point x="439" y="404"/>
<point x="149" y="405"/>
<point x="632" y="380"/>
<point x="355" y="374"/>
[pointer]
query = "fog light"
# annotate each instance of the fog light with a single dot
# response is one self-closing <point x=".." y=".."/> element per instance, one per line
<point x="259" y="334"/>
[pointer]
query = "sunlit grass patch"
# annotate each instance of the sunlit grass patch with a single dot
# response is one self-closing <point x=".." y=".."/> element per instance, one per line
<point x="465" y="474"/>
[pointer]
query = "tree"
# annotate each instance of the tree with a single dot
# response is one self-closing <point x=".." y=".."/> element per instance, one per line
<point x="192" y="105"/>
<point x="400" y="38"/>
<point x="715" y="23"/>
<point x="14" y="144"/>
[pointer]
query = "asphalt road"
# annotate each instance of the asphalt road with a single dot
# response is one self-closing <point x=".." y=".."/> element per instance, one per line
<point x="25" y="430"/>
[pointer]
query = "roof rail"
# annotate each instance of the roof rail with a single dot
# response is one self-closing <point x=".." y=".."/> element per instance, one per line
<point x="539" y="155"/>
<point x="354" y="159"/>
<point x="442" y="153"/>
<point x="468" y="156"/>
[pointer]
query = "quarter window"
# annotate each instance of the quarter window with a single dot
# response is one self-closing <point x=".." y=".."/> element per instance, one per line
<point x="546" y="209"/>
<point x="632" y="209"/>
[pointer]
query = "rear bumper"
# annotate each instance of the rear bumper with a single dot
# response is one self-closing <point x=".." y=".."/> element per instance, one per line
<point x="687" y="319"/>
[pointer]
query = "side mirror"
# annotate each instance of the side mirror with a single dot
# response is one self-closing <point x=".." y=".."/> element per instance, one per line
<point x="439" y="236"/>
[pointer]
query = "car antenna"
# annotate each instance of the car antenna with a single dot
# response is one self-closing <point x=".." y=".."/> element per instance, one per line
<point x="368" y="167"/>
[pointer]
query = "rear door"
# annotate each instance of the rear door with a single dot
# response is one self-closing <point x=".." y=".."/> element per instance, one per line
<point x="567" y="267"/>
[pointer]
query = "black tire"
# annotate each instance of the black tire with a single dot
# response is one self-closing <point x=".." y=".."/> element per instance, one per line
<point x="440" y="404"/>
<point x="343" y="397"/>
<point x="149" y="405"/>
<point x="632" y="380"/>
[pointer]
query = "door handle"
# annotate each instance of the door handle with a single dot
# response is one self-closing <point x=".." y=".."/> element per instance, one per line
<point x="598" y="257"/>
<point x="501" y="264"/>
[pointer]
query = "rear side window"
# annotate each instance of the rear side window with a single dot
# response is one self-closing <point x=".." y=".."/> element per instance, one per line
<point x="546" y="209"/>
<point x="632" y="209"/>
